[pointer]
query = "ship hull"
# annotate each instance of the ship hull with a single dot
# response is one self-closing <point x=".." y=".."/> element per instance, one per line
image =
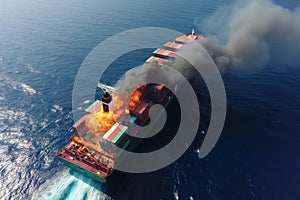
<point x="83" y="171"/>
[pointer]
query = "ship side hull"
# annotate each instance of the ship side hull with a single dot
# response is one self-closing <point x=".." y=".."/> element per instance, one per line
<point x="81" y="170"/>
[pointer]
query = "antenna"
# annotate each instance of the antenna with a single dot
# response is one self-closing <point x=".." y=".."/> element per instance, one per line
<point x="106" y="88"/>
<point x="193" y="32"/>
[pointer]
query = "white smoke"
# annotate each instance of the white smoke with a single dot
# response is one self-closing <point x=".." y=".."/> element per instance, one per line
<point x="252" y="28"/>
<point x="133" y="78"/>
<point x="142" y="74"/>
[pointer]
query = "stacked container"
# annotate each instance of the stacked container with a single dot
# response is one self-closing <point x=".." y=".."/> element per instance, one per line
<point x="141" y="111"/>
<point x="159" y="93"/>
<point x="115" y="136"/>
<point x="172" y="46"/>
<point x="156" y="93"/>
<point x="95" y="107"/>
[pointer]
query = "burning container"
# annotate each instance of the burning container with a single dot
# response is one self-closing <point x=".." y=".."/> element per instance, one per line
<point x="141" y="112"/>
<point x="156" y="93"/>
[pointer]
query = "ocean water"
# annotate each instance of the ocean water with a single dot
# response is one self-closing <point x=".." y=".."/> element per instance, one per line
<point x="42" y="45"/>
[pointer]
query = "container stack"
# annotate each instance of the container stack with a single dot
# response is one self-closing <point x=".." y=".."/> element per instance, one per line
<point x="95" y="107"/>
<point x="158" y="60"/>
<point x="130" y="122"/>
<point x="141" y="112"/>
<point x="166" y="54"/>
<point x="157" y="93"/>
<point x="172" y="46"/>
<point x="115" y="136"/>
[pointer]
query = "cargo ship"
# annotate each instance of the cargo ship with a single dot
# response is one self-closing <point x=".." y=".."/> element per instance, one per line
<point x="92" y="149"/>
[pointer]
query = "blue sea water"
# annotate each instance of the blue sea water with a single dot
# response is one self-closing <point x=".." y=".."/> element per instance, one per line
<point x="42" y="45"/>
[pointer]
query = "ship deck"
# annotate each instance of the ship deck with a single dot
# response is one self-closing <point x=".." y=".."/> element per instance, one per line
<point x="77" y="154"/>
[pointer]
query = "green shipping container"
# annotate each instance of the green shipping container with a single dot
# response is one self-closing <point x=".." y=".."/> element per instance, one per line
<point x="120" y="135"/>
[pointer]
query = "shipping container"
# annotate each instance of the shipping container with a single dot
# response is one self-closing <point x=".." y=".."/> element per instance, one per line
<point x="95" y="107"/>
<point x="157" y="50"/>
<point x="140" y="109"/>
<point x="110" y="131"/>
<point x="156" y="93"/>
<point x="113" y="137"/>
<point x="172" y="46"/>
<point x="114" y="133"/>
<point x="141" y="112"/>
<point x="120" y="135"/>
<point x="152" y="59"/>
<point x="160" y="92"/>
<point x="123" y="140"/>
<point x="163" y="53"/>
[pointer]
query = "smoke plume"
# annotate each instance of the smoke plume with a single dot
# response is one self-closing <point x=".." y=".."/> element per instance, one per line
<point x="252" y="30"/>
<point x="143" y="74"/>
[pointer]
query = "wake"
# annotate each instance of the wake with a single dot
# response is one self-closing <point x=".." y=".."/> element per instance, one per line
<point x="66" y="185"/>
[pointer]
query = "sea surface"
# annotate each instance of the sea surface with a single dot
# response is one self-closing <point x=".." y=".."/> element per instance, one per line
<point x="42" y="45"/>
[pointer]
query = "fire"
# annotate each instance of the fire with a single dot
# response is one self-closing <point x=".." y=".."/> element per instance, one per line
<point x="92" y="123"/>
<point x="119" y="105"/>
<point x="100" y="122"/>
<point x="135" y="99"/>
<point x="105" y="119"/>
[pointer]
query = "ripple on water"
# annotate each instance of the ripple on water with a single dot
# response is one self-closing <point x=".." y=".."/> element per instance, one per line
<point x="19" y="86"/>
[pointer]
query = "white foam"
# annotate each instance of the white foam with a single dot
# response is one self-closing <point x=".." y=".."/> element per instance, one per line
<point x="27" y="89"/>
<point x="86" y="101"/>
<point x="57" y="107"/>
<point x="20" y="86"/>
<point x="32" y="70"/>
<point x="176" y="196"/>
<point x="65" y="185"/>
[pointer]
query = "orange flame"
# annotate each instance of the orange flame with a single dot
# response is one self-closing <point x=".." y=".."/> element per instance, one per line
<point x="105" y="119"/>
<point x="135" y="99"/>
<point x="101" y="122"/>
